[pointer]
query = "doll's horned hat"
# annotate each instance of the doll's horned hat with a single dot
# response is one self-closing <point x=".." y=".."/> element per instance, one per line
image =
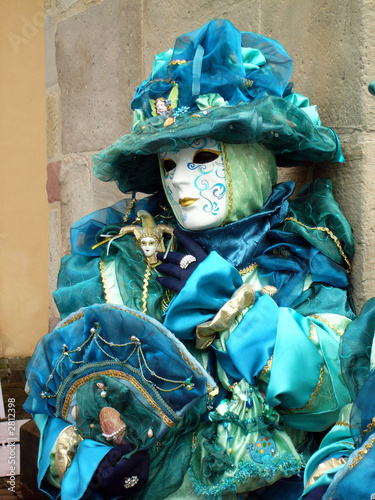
<point x="218" y="82"/>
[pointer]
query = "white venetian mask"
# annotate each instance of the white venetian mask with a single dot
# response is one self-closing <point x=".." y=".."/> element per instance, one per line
<point x="194" y="180"/>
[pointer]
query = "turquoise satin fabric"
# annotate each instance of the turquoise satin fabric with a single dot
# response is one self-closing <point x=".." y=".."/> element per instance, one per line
<point x="285" y="260"/>
<point x="49" y="429"/>
<point x="248" y="349"/>
<point x="210" y="286"/>
<point x="295" y="354"/>
<point x="356" y="349"/>
<point x="303" y="103"/>
<point x="286" y="337"/>
<point x="357" y="478"/>
<point x="336" y="444"/>
<point x="78" y="476"/>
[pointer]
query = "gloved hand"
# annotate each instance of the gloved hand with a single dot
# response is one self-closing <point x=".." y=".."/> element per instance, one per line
<point x="121" y="477"/>
<point x="178" y="267"/>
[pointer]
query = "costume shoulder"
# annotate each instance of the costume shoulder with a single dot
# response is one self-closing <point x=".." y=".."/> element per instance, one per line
<point x="315" y="215"/>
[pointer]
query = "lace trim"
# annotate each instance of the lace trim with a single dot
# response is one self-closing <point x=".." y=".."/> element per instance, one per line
<point x="344" y="424"/>
<point x="313" y="336"/>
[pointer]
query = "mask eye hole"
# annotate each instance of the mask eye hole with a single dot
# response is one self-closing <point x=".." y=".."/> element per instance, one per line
<point x="168" y="164"/>
<point x="205" y="156"/>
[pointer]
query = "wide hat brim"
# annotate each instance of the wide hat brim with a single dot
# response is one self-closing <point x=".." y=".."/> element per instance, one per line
<point x="281" y="126"/>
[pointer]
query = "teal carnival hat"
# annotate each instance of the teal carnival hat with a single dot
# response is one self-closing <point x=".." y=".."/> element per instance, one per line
<point x="221" y="83"/>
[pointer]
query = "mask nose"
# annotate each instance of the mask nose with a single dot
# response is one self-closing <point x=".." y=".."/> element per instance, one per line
<point x="181" y="175"/>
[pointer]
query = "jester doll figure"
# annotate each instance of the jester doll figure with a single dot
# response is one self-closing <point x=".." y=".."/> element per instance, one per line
<point x="198" y="354"/>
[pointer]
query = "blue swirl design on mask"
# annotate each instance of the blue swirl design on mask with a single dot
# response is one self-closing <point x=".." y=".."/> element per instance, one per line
<point x="169" y="175"/>
<point x="207" y="191"/>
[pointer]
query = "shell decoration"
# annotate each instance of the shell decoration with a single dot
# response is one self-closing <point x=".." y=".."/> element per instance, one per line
<point x="112" y="425"/>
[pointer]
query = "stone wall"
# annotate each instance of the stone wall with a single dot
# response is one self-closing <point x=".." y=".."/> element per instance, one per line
<point x="99" y="51"/>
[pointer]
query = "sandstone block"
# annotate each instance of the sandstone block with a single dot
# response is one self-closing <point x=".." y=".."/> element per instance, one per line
<point x="53" y="322"/>
<point x="99" y="67"/>
<point x="63" y="5"/>
<point x="53" y="175"/>
<point x="55" y="253"/>
<point x="105" y="194"/>
<point x="75" y="194"/>
<point x="50" y="55"/>
<point x="326" y="63"/>
<point x="53" y="124"/>
<point x="48" y="4"/>
<point x="299" y="175"/>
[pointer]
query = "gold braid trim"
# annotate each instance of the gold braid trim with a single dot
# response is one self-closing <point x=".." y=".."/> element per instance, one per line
<point x="313" y="335"/>
<point x="329" y="232"/>
<point x="116" y="374"/>
<point x="129" y="209"/>
<point x="230" y="187"/>
<point x="340" y="422"/>
<point x="72" y="320"/>
<point x="370" y="426"/>
<point x="312" y="395"/>
<point x="328" y="324"/>
<point x="177" y="61"/>
<point x="248" y="269"/>
<point x="231" y="387"/>
<point x="266" y="368"/>
<point x="362" y="453"/>
<point x="166" y="299"/>
<point x="145" y="287"/>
